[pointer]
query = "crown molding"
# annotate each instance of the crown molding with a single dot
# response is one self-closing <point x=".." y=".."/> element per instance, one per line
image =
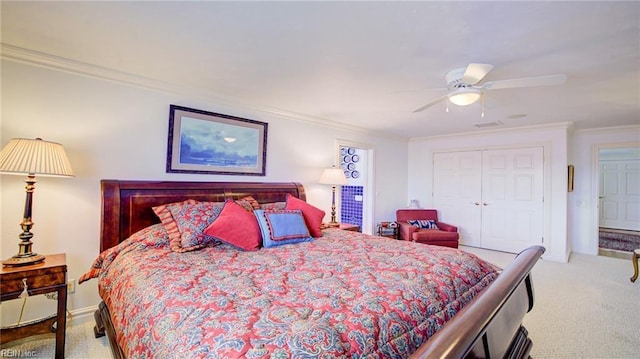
<point x="568" y="126"/>
<point x="57" y="63"/>
<point x="613" y="129"/>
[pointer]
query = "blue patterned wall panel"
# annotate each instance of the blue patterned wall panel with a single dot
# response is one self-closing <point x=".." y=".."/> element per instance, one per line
<point x="351" y="209"/>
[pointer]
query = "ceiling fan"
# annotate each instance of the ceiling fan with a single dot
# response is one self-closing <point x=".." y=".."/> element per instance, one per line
<point x="464" y="88"/>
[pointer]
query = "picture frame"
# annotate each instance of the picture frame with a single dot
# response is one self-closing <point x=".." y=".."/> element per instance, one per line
<point x="570" y="179"/>
<point x="211" y="143"/>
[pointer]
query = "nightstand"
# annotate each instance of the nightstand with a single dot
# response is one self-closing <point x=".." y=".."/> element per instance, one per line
<point x="41" y="278"/>
<point x="388" y="229"/>
<point x="349" y="227"/>
<point x="343" y="226"/>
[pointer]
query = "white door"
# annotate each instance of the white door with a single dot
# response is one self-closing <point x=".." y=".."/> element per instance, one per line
<point x="620" y="194"/>
<point x="512" y="198"/>
<point x="457" y="192"/>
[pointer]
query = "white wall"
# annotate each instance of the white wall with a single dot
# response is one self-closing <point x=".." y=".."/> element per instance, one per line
<point x="554" y="140"/>
<point x="117" y="131"/>
<point x="583" y="201"/>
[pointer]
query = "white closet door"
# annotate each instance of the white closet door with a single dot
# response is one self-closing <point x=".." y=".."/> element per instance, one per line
<point x="457" y="192"/>
<point x="512" y="198"/>
<point x="620" y="194"/>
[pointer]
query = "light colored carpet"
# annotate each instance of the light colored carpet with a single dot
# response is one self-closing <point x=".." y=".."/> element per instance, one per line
<point x="586" y="308"/>
<point x="80" y="344"/>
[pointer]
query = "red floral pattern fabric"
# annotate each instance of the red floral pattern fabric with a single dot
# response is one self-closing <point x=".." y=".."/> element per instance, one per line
<point x="345" y="294"/>
<point x="191" y="220"/>
<point x="166" y="218"/>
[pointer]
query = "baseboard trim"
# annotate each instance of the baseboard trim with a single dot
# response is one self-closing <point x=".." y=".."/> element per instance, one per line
<point x="81" y="316"/>
<point x="614" y="253"/>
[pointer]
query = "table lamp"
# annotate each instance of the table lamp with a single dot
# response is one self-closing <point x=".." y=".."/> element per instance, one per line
<point x="31" y="157"/>
<point x="333" y="176"/>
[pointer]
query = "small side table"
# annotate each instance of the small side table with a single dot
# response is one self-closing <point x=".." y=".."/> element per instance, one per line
<point x="388" y="229"/>
<point x="41" y="278"/>
<point x="349" y="227"/>
<point x="343" y="226"/>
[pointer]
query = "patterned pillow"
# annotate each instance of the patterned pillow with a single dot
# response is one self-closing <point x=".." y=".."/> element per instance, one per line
<point x="248" y="203"/>
<point x="166" y="218"/>
<point x="312" y="216"/>
<point x="236" y="226"/>
<point x="423" y="223"/>
<point x="273" y="206"/>
<point x="282" y="227"/>
<point x="192" y="219"/>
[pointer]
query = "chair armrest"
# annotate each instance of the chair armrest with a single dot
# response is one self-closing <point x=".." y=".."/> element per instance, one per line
<point x="446" y="227"/>
<point x="406" y="230"/>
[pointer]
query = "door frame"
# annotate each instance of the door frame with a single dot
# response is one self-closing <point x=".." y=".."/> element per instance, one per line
<point x="595" y="189"/>
<point x="369" y="204"/>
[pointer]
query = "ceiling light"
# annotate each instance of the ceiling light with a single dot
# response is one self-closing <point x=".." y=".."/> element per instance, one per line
<point x="464" y="96"/>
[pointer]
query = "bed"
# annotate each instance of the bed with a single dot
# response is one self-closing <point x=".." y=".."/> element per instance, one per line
<point x="352" y="294"/>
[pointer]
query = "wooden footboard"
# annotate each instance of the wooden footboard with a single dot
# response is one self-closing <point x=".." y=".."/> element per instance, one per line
<point x="481" y="328"/>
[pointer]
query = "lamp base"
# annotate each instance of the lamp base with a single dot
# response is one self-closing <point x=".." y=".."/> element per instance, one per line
<point x="23" y="260"/>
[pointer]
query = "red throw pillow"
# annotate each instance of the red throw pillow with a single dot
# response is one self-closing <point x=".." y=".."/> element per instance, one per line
<point x="236" y="226"/>
<point x="312" y="215"/>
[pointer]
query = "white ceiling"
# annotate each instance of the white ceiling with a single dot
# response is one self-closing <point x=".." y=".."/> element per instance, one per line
<point x="365" y="64"/>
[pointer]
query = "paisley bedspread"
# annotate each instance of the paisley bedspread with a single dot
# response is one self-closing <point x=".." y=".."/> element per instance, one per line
<point x="346" y="295"/>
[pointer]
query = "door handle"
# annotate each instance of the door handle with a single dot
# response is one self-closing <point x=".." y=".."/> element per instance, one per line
<point x="485" y="204"/>
<point x="477" y="204"/>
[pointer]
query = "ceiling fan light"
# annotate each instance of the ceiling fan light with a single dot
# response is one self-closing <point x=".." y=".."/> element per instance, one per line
<point x="464" y="96"/>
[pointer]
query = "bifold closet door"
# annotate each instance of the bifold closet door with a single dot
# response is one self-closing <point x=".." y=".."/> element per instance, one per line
<point x="512" y="198"/>
<point x="457" y="192"/>
<point x="494" y="197"/>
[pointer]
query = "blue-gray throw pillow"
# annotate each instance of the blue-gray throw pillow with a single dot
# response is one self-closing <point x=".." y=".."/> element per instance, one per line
<point x="282" y="227"/>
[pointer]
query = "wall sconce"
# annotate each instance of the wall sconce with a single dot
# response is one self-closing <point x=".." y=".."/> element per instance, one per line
<point x="22" y="156"/>
<point x="334" y="177"/>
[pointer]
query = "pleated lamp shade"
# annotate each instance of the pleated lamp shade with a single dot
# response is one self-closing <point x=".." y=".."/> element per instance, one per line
<point x="34" y="157"/>
<point x="333" y="176"/>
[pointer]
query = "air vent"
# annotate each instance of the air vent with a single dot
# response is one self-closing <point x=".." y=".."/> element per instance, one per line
<point x="488" y="124"/>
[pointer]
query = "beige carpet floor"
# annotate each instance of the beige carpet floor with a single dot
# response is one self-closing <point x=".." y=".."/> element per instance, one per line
<point x="586" y="308"/>
<point x="80" y="344"/>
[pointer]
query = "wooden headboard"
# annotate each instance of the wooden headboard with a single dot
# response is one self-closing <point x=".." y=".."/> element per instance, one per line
<point x="126" y="205"/>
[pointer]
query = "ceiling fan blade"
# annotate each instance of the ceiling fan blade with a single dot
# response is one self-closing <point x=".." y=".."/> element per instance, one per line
<point x="475" y="72"/>
<point x="549" y="80"/>
<point x="431" y="103"/>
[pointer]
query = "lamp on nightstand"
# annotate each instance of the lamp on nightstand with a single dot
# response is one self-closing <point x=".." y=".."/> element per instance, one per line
<point x="333" y="176"/>
<point x="31" y="157"/>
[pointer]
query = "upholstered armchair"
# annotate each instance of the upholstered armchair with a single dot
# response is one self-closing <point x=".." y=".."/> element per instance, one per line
<point x="419" y="229"/>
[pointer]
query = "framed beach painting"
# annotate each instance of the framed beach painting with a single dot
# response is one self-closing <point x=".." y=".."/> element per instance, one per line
<point x="212" y="143"/>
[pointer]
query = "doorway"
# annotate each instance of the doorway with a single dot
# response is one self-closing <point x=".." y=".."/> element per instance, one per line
<point x="618" y="199"/>
<point x="356" y="200"/>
